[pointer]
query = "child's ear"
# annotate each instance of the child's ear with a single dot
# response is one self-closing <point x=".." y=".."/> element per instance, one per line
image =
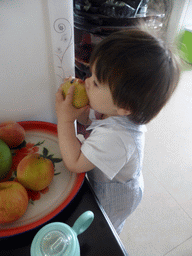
<point x="123" y="112"/>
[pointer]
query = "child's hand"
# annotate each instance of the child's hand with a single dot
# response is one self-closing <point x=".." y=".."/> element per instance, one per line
<point x="64" y="108"/>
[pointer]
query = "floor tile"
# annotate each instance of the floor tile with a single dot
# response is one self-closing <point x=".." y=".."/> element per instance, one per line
<point x="158" y="225"/>
<point x="184" y="249"/>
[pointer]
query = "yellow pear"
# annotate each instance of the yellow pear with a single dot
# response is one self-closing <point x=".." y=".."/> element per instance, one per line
<point x="80" y="98"/>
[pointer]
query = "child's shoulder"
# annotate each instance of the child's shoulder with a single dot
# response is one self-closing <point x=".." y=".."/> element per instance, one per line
<point x="115" y="123"/>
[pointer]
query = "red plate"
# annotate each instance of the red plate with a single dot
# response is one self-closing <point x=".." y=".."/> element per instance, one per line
<point x="41" y="137"/>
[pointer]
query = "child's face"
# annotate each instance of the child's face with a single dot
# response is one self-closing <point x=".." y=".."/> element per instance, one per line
<point x="100" y="97"/>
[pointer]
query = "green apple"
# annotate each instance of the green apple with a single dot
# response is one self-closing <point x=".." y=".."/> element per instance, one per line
<point x="5" y="159"/>
<point x="80" y="98"/>
<point x="35" y="172"/>
<point x="13" y="201"/>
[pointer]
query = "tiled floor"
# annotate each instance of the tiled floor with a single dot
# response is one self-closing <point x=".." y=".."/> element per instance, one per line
<point x="162" y="224"/>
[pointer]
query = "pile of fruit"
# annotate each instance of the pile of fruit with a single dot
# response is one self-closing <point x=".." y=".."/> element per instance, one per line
<point x="33" y="172"/>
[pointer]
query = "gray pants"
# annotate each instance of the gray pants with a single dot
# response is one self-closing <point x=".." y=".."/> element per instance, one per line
<point x="119" y="200"/>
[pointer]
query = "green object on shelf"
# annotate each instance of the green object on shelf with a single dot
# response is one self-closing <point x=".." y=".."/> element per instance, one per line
<point x="186" y="44"/>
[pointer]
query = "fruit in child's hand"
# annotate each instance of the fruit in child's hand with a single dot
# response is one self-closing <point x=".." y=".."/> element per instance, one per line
<point x="13" y="201"/>
<point x="80" y="98"/>
<point x="12" y="133"/>
<point x="35" y="172"/>
<point x="5" y="159"/>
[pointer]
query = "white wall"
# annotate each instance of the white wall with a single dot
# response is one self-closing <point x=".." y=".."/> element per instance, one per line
<point x="27" y="56"/>
<point x="187" y="20"/>
<point x="177" y="17"/>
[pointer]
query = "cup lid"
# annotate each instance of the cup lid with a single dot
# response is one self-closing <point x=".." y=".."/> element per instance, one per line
<point x="59" y="239"/>
<point x="54" y="239"/>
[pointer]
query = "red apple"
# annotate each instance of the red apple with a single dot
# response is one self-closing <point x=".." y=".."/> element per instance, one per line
<point x="13" y="201"/>
<point x="12" y="133"/>
<point x="35" y="172"/>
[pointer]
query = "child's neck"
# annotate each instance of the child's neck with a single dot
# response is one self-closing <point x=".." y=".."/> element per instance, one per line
<point x="104" y="116"/>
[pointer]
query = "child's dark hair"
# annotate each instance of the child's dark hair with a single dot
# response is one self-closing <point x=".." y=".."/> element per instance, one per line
<point x="140" y="71"/>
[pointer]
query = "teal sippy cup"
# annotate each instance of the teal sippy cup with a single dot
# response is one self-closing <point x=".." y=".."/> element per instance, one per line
<point x="59" y="239"/>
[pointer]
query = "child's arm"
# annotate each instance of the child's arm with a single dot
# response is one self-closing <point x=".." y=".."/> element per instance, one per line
<point x="84" y="118"/>
<point x="70" y="146"/>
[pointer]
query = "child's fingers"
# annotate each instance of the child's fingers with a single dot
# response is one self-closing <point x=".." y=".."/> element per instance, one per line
<point x="59" y="95"/>
<point x="68" y="79"/>
<point x="69" y="96"/>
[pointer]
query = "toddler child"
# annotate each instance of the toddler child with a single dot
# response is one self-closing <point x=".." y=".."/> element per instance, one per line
<point x="133" y="77"/>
